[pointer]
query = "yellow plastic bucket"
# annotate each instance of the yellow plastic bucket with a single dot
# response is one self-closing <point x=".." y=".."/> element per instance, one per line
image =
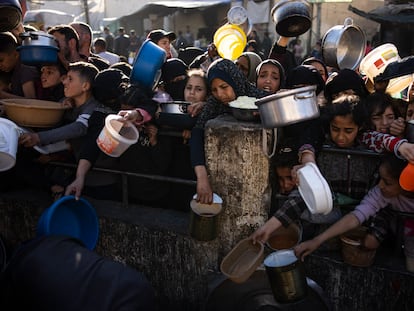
<point x="230" y="41"/>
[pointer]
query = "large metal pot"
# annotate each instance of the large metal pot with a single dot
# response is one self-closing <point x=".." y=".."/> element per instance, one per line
<point x="146" y="70"/>
<point x="38" y="47"/>
<point x="288" y="107"/>
<point x="180" y="107"/>
<point x="10" y="14"/>
<point x="343" y="46"/>
<point x="292" y="18"/>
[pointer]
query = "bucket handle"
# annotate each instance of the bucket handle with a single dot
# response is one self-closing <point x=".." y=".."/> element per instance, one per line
<point x="264" y="143"/>
<point x="309" y="95"/>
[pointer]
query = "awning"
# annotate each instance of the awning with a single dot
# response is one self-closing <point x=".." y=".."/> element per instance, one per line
<point x="163" y="8"/>
<point x="391" y="13"/>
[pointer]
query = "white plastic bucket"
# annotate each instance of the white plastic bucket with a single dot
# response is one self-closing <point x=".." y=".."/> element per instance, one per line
<point x="399" y="84"/>
<point x="9" y="138"/>
<point x="116" y="136"/>
<point x="377" y="60"/>
<point x="230" y="41"/>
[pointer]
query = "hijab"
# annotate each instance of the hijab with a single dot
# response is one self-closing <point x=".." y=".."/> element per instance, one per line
<point x="228" y="71"/>
<point x="275" y="63"/>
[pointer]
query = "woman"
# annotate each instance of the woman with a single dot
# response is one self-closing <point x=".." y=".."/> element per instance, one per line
<point x="247" y="63"/>
<point x="270" y="76"/>
<point x="227" y="83"/>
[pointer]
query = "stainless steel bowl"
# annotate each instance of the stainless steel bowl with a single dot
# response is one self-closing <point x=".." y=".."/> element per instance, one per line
<point x="179" y="107"/>
<point x="244" y="114"/>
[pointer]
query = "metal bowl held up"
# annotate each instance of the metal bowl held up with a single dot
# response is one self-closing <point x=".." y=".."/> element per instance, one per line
<point x="288" y="107"/>
<point x="38" y="47"/>
<point x="343" y="46"/>
<point x="175" y="115"/>
<point x="180" y="107"/>
<point x="245" y="114"/>
<point x="292" y="17"/>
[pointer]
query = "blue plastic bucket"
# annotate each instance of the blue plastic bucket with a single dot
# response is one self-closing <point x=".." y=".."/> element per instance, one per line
<point x="70" y="217"/>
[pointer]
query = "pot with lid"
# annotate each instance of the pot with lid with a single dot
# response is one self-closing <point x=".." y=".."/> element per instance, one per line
<point x="288" y="107"/>
<point x="38" y="47"/>
<point x="10" y="14"/>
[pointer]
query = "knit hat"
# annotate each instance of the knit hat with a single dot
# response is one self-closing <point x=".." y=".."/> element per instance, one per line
<point x="345" y="79"/>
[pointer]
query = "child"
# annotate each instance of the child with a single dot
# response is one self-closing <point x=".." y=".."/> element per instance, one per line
<point x="270" y="76"/>
<point x="382" y="112"/>
<point x="387" y="193"/>
<point x="51" y="77"/>
<point x="23" y="77"/>
<point x="78" y="87"/>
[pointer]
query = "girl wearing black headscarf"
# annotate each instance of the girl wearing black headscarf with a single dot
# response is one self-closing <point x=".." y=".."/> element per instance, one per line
<point x="227" y="83"/>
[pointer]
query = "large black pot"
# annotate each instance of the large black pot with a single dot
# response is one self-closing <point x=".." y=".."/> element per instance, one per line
<point x="292" y="18"/>
<point x="10" y="14"/>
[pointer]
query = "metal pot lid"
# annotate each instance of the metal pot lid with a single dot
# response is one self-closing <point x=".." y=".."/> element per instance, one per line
<point x="38" y="38"/>
<point x="284" y="93"/>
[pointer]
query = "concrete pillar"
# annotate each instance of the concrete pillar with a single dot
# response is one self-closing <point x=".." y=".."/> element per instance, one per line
<point x="239" y="174"/>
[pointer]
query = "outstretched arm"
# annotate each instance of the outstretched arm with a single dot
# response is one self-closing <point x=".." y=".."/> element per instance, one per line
<point x="76" y="186"/>
<point x="343" y="225"/>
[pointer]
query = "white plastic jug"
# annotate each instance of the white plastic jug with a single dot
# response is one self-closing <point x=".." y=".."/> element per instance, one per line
<point x="9" y="138"/>
<point x="116" y="136"/>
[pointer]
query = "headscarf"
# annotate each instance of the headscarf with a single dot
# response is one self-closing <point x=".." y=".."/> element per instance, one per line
<point x="275" y="63"/>
<point x="172" y="68"/>
<point x="253" y="61"/>
<point x="228" y="71"/>
<point x="345" y="79"/>
<point x="109" y="86"/>
<point x="305" y="75"/>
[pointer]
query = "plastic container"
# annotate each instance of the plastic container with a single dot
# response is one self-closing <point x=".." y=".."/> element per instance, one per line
<point x="9" y="137"/>
<point x="407" y="178"/>
<point x="314" y="189"/>
<point x="353" y="252"/>
<point x="241" y="262"/>
<point x="116" y="136"/>
<point x="70" y="217"/>
<point x="375" y="62"/>
<point x="230" y="41"/>
<point x="33" y="112"/>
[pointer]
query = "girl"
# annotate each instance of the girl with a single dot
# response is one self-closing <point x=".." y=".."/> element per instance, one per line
<point x="346" y="119"/>
<point x="226" y="83"/>
<point x="386" y="192"/>
<point x="382" y="112"/>
<point x="270" y="76"/>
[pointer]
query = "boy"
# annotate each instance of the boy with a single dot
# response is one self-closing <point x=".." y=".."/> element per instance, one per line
<point x="23" y="77"/>
<point x="78" y="88"/>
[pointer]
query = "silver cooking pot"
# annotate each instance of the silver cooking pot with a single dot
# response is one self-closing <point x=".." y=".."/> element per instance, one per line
<point x="10" y="14"/>
<point x="178" y="107"/>
<point x="343" y="46"/>
<point x="288" y="107"/>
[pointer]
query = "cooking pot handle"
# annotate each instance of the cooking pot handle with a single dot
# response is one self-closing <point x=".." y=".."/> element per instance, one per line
<point x="310" y="95"/>
<point x="348" y="22"/>
<point x="183" y="108"/>
<point x="264" y="143"/>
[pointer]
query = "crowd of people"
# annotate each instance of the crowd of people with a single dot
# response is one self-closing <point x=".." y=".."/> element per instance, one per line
<point x="92" y="79"/>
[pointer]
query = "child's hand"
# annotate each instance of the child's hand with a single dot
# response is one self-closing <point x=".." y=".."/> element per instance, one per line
<point x="29" y="139"/>
<point x="397" y="127"/>
<point x="68" y="102"/>
<point x="305" y="248"/>
<point x="152" y="132"/>
<point x="195" y="108"/>
<point x="130" y="115"/>
<point x="407" y="151"/>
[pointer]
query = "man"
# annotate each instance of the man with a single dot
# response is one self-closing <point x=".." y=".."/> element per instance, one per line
<point x="109" y="38"/>
<point x="121" y="43"/>
<point x="134" y="42"/>
<point x="99" y="46"/>
<point x="163" y="39"/>
<point x="68" y="42"/>
<point x="85" y="45"/>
